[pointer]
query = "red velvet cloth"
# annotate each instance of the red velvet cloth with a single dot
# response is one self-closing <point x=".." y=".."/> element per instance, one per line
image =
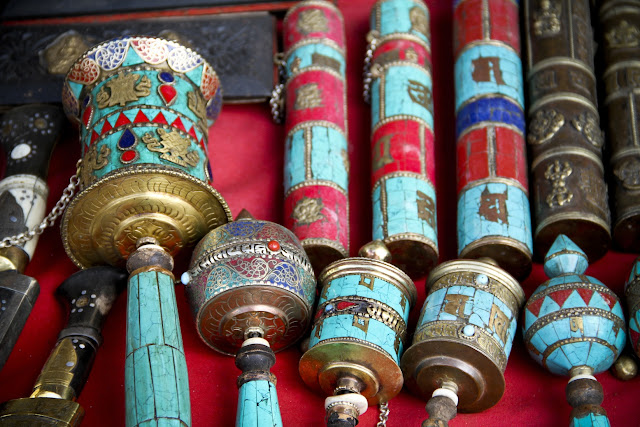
<point x="246" y="151"/>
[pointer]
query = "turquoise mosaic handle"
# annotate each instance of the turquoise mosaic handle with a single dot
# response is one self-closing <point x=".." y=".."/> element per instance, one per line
<point x="156" y="379"/>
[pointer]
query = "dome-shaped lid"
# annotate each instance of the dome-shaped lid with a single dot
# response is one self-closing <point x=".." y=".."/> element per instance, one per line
<point x="565" y="257"/>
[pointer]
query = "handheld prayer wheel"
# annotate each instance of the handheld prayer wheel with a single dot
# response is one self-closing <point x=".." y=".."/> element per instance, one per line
<point x="251" y="288"/>
<point x="620" y="20"/>
<point x="28" y="135"/>
<point x="492" y="185"/>
<point x="463" y="338"/>
<point x="358" y="334"/>
<point x="573" y="325"/>
<point x="564" y="137"/>
<point x="90" y="294"/>
<point x="144" y="106"/>
<point x="316" y="167"/>
<point x="402" y="138"/>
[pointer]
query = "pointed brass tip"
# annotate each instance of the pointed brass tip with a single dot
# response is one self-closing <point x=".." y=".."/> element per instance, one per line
<point x="244" y="214"/>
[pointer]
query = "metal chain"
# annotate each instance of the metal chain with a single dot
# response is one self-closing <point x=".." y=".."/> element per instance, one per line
<point x="49" y="220"/>
<point x="277" y="100"/>
<point x="367" y="76"/>
<point x="384" y="414"/>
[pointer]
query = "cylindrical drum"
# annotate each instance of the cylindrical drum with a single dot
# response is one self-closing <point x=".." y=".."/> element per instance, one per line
<point x="493" y="196"/>
<point x="402" y="138"/>
<point x="250" y="274"/>
<point x="316" y="170"/>
<point x="564" y="136"/>
<point x="359" y="328"/>
<point x="620" y="21"/>
<point x="632" y="295"/>
<point x="144" y="106"/>
<point x="464" y="333"/>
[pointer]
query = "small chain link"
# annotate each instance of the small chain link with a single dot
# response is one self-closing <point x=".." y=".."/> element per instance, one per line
<point x="384" y="414"/>
<point x="49" y="220"/>
<point x="277" y="100"/>
<point x="367" y="77"/>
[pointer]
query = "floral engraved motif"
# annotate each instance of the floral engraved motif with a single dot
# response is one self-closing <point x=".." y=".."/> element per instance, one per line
<point x="197" y="105"/>
<point x="124" y="88"/>
<point x="92" y="161"/>
<point x="545" y="124"/>
<point x="623" y="35"/>
<point x="308" y="211"/>
<point x="312" y="21"/>
<point x="628" y="172"/>
<point x="173" y="147"/>
<point x="588" y="124"/>
<point x="546" y="20"/>
<point x="150" y="228"/>
<point x="558" y="173"/>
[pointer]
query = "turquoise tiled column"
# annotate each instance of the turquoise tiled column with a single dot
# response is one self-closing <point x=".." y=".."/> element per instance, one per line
<point x="258" y="405"/>
<point x="156" y="379"/>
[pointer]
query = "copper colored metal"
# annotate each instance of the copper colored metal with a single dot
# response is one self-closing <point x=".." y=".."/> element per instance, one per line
<point x="564" y="136"/>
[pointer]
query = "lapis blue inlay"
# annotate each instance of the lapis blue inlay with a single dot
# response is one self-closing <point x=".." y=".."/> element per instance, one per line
<point x="127" y="140"/>
<point x="86" y="101"/>
<point x="166" y="77"/>
<point x="490" y="109"/>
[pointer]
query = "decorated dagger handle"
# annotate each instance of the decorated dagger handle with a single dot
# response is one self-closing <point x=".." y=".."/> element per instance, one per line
<point x="257" y="397"/>
<point x="27" y="135"/>
<point x="156" y="379"/>
<point x="90" y="294"/>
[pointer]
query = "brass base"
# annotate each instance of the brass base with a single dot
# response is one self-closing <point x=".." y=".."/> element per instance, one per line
<point x="282" y="316"/>
<point x="104" y="221"/>
<point x="427" y="364"/>
<point x="626" y="233"/>
<point x="510" y="254"/>
<point x="41" y="412"/>
<point x="322" y="252"/>
<point x="413" y="254"/>
<point x="323" y="365"/>
<point x="589" y="233"/>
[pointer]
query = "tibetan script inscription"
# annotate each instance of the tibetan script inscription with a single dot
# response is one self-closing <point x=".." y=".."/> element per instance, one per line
<point x="174" y="148"/>
<point x="420" y="94"/>
<point x="493" y="207"/>
<point x="308" y="96"/>
<point x="312" y="21"/>
<point x="426" y="208"/>
<point x="124" y="88"/>
<point x="484" y="67"/>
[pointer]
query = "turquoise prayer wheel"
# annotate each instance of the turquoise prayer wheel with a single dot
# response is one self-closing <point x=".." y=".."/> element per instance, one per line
<point x="144" y="106"/>
<point x="358" y="335"/>
<point x="251" y="288"/>
<point x="464" y="336"/>
<point x="573" y="325"/>
<point x="399" y="84"/>
<point x="632" y="294"/>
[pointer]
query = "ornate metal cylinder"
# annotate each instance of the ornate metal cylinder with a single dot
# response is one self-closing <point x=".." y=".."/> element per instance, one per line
<point x="143" y="106"/>
<point x="493" y="196"/>
<point x="564" y="137"/>
<point x="620" y="23"/>
<point x="632" y="294"/>
<point x="464" y="333"/>
<point x="359" y="328"/>
<point x="573" y="325"/>
<point x="250" y="274"/>
<point x="316" y="172"/>
<point x="402" y="138"/>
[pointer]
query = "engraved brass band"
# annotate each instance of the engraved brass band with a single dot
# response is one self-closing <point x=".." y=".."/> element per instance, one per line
<point x="481" y="340"/>
<point x="365" y="308"/>
<point x="561" y="343"/>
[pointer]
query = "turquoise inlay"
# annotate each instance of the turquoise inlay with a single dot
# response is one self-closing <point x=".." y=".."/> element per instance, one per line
<point x="488" y="69"/>
<point x="147" y="156"/>
<point x="76" y="88"/>
<point x="342" y="326"/>
<point x="477" y="310"/>
<point x="567" y="258"/>
<point x="574" y="300"/>
<point x="382" y="291"/>
<point x="399" y="16"/>
<point x="410" y="208"/>
<point x="590" y="420"/>
<point x="635" y="322"/>
<point x="132" y="58"/>
<point x="598" y="302"/>
<point x="507" y="214"/>
<point x="407" y="91"/>
<point x="156" y="381"/>
<point x="328" y="149"/>
<point x="529" y="318"/>
<point x="180" y="104"/>
<point x="548" y="306"/>
<point x="316" y="54"/>
<point x="258" y="405"/>
<point x="195" y="75"/>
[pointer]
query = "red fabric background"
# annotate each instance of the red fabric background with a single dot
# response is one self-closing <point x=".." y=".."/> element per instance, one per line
<point x="246" y="150"/>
